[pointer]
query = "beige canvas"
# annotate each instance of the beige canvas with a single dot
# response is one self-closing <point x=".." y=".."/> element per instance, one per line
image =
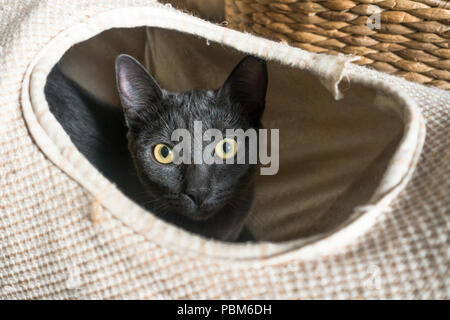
<point x="358" y="210"/>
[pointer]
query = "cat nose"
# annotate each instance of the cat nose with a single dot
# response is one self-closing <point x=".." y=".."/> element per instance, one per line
<point x="197" y="195"/>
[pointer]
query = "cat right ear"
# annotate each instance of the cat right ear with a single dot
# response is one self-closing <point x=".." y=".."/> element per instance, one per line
<point x="247" y="86"/>
<point x="137" y="88"/>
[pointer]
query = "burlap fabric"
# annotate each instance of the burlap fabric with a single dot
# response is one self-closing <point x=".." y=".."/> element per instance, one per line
<point x="67" y="232"/>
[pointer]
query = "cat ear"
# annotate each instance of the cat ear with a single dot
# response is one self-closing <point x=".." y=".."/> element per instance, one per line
<point x="247" y="86"/>
<point x="137" y="88"/>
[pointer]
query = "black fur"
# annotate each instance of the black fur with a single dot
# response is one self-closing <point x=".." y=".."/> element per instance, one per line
<point x="151" y="115"/>
<point x="97" y="130"/>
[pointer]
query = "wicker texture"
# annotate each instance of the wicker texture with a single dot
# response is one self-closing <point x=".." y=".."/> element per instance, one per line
<point x="57" y="240"/>
<point x="411" y="40"/>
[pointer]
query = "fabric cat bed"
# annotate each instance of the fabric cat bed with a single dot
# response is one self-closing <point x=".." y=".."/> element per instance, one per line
<point x="359" y="208"/>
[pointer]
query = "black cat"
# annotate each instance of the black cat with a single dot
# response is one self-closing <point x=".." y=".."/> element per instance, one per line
<point x="210" y="199"/>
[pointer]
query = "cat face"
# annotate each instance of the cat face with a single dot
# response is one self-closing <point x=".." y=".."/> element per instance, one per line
<point x="210" y="199"/>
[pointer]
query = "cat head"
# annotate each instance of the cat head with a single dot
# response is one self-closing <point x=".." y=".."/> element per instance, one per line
<point x="210" y="199"/>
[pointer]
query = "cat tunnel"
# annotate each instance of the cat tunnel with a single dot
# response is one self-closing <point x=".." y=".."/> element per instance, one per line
<point x="358" y="209"/>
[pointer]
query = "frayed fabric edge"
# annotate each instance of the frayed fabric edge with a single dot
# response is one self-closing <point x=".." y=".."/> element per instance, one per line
<point x="331" y="70"/>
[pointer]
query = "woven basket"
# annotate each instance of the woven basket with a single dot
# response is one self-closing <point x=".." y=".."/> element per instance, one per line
<point x="411" y="38"/>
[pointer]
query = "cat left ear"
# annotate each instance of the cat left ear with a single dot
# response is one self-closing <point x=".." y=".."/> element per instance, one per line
<point x="137" y="88"/>
<point x="247" y="86"/>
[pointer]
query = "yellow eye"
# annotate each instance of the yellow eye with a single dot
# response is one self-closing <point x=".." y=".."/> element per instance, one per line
<point x="163" y="153"/>
<point x="226" y="149"/>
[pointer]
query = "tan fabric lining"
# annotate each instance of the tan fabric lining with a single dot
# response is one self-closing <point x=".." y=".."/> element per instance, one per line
<point x="326" y="146"/>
